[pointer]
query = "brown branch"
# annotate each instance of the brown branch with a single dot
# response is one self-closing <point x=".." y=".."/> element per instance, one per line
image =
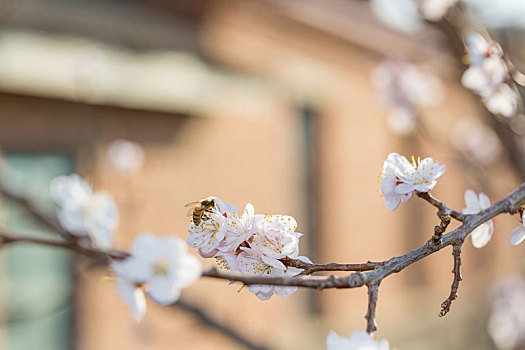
<point x="439" y="230"/>
<point x="36" y="213"/>
<point x="371" y="326"/>
<point x="311" y="268"/>
<point x="509" y="204"/>
<point x="72" y="245"/>
<point x="442" y="208"/>
<point x="445" y="306"/>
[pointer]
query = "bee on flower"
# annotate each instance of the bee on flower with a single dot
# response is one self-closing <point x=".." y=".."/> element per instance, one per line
<point x="250" y="243"/>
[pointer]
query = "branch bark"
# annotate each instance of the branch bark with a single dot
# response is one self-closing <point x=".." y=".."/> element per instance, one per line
<point x="445" y="306"/>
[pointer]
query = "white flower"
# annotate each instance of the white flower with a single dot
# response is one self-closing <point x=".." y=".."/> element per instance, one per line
<point x="236" y="229"/>
<point x="487" y="76"/>
<point x="275" y="236"/>
<point x="251" y="262"/>
<point x="359" y="340"/>
<point x="421" y="176"/>
<point x="207" y="236"/>
<point x="434" y="10"/>
<point x="83" y="212"/>
<point x="474" y="204"/>
<point x="159" y="265"/>
<point x="393" y="165"/>
<point x="518" y="234"/>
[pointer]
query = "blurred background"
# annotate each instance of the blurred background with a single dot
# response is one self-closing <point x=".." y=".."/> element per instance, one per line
<point x="274" y="102"/>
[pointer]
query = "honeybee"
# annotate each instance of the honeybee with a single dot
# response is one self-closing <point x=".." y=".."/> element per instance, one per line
<point x="199" y="209"/>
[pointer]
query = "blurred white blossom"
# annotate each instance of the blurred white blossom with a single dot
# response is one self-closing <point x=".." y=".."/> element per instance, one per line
<point x="159" y="266"/>
<point x="473" y="205"/>
<point x="476" y="140"/>
<point x="84" y="212"/>
<point x="359" y="340"/>
<point x="404" y="88"/>
<point x="434" y="10"/>
<point x="125" y="157"/>
<point x="488" y="74"/>
<point x="506" y="324"/>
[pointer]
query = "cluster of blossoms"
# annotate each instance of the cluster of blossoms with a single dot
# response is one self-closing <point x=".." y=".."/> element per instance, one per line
<point x="404" y="88"/>
<point x="359" y="340"/>
<point x="434" y="10"/>
<point x="158" y="266"/>
<point x="488" y="75"/>
<point x="401" y="178"/>
<point x="250" y="243"/>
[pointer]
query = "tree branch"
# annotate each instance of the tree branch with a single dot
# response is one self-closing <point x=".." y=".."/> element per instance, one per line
<point x="445" y="306"/>
<point x="312" y="268"/>
<point x="371" y="313"/>
<point x="442" y="208"/>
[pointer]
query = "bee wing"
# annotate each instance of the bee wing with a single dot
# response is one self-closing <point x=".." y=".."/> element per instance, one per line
<point x="191" y="207"/>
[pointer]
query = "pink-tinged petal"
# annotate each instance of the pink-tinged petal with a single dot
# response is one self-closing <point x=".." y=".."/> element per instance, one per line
<point x="273" y="262"/>
<point x="518" y="235"/>
<point x="471" y="202"/>
<point x="209" y="254"/>
<point x="404" y="188"/>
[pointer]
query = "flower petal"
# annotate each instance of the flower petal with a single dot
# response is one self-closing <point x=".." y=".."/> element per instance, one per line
<point x="518" y="235"/>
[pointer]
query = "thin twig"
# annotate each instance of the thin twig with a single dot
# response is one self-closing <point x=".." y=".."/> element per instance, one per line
<point x="442" y="208"/>
<point x="72" y="245"/>
<point x="36" y="213"/>
<point x="445" y="306"/>
<point x="312" y="268"/>
<point x="439" y="230"/>
<point x="371" y="326"/>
